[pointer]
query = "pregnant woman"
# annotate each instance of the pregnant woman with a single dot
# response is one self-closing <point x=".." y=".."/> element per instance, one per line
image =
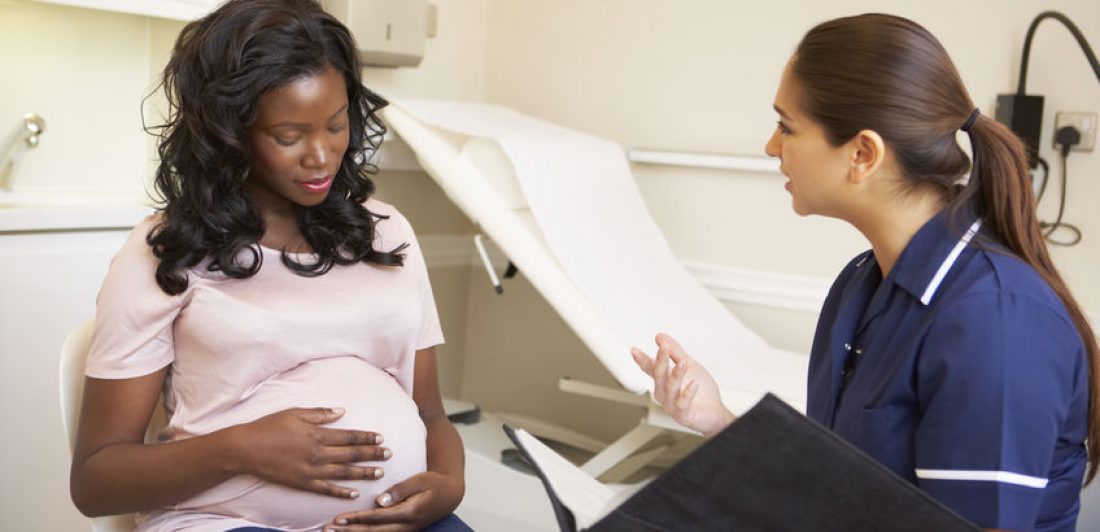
<point x="286" y="318"/>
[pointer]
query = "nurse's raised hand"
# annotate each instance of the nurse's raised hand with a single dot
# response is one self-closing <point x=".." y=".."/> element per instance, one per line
<point x="293" y="449"/>
<point x="684" y="388"/>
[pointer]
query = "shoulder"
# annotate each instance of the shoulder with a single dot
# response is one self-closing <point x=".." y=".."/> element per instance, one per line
<point x="1003" y="307"/>
<point x="391" y="227"/>
<point x="995" y="277"/>
<point x="136" y="250"/>
<point x="387" y="212"/>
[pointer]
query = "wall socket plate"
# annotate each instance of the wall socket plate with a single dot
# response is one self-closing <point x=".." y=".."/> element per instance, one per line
<point x="1084" y="122"/>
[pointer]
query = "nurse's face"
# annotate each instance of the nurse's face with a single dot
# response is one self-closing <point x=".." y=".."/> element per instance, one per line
<point x="816" y="170"/>
<point x="298" y="141"/>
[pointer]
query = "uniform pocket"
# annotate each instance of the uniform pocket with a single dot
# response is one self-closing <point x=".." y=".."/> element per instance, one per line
<point x="886" y="433"/>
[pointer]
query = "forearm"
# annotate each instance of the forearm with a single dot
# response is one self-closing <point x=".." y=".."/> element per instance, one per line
<point x="724" y="418"/>
<point x="128" y="477"/>
<point x="445" y="453"/>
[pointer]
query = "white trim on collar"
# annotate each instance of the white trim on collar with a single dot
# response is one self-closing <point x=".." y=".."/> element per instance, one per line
<point x="949" y="261"/>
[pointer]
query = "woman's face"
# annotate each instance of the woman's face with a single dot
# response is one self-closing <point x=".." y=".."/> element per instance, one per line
<point x="816" y="170"/>
<point x="298" y="142"/>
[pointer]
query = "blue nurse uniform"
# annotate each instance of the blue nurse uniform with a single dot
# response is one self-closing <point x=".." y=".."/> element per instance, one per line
<point x="962" y="372"/>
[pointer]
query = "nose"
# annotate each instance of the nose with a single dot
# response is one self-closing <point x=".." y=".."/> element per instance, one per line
<point x="317" y="153"/>
<point x="773" y="145"/>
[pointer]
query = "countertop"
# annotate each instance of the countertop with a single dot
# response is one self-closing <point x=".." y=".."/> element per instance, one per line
<point x="22" y="213"/>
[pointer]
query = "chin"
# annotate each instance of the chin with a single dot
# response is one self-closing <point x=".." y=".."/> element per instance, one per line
<point x="311" y="200"/>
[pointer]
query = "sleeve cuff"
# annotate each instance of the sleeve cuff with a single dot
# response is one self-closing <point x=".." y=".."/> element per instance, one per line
<point x="989" y="504"/>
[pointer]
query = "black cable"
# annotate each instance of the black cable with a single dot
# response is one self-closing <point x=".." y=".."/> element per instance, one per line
<point x="1058" y="223"/>
<point x="1076" y="35"/>
<point x="1046" y="177"/>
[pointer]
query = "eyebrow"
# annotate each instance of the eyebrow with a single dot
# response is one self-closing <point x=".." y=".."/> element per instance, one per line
<point x="302" y="126"/>
<point x="780" y="111"/>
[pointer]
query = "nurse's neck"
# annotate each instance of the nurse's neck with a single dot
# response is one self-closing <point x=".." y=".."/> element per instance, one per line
<point x="889" y="220"/>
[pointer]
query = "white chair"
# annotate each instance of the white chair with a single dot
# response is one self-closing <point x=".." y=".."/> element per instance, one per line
<point x="71" y="388"/>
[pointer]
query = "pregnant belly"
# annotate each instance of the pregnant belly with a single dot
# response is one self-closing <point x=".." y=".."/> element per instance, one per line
<point x="372" y="400"/>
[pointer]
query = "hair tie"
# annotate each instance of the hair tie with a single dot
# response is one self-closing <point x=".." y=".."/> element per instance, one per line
<point x="970" y="121"/>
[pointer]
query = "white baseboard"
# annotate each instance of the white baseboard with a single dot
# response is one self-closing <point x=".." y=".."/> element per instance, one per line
<point x="762" y="288"/>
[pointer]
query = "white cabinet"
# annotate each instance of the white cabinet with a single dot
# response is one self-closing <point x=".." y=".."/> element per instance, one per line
<point x="48" y="284"/>
<point x="171" y="9"/>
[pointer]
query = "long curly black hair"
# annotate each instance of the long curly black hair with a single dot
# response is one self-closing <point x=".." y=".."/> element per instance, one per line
<point x="219" y="68"/>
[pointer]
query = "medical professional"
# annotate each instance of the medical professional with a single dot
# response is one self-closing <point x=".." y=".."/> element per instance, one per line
<point x="952" y="351"/>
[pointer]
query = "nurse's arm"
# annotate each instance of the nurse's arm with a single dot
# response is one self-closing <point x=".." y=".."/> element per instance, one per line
<point x="114" y="471"/>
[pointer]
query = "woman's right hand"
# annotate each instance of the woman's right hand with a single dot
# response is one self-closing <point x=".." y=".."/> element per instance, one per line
<point x="684" y="388"/>
<point x="293" y="449"/>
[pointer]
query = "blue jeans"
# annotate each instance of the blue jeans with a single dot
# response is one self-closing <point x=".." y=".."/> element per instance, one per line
<point x="451" y="523"/>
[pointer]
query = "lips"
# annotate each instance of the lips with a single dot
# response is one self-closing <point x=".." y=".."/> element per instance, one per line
<point x="319" y="185"/>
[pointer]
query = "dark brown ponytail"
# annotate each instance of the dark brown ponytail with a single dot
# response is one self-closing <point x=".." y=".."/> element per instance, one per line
<point x="1004" y="199"/>
<point x="890" y="75"/>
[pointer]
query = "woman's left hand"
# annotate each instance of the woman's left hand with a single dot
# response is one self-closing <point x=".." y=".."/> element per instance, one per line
<point x="407" y="506"/>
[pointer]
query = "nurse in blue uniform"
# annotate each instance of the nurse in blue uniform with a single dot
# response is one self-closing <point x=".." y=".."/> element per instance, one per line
<point x="952" y="351"/>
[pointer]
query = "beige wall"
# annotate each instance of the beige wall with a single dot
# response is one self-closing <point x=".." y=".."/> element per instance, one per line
<point x="700" y="75"/>
<point x="85" y="72"/>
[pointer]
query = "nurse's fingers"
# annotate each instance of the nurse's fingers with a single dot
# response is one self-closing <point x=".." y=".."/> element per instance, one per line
<point x="687" y="396"/>
<point x="676" y="351"/>
<point x="674" y="381"/>
<point x="642" y="360"/>
<point x="660" y="375"/>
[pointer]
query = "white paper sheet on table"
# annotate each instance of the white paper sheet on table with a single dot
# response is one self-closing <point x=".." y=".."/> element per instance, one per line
<point x="582" y="194"/>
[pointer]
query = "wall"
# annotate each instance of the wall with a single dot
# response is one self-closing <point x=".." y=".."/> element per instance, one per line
<point x="700" y="76"/>
<point x="85" y="73"/>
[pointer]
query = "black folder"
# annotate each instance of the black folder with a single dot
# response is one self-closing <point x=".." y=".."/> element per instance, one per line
<point x="771" y="470"/>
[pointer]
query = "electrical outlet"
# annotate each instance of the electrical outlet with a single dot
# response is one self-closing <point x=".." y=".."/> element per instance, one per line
<point x="1084" y="122"/>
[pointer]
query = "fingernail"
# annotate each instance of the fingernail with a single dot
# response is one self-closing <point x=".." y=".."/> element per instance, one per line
<point x="386" y="454"/>
<point x="341" y="521"/>
<point x="384" y="499"/>
<point x="378" y="473"/>
<point x="378" y="439"/>
<point x="353" y="494"/>
<point x="338" y="411"/>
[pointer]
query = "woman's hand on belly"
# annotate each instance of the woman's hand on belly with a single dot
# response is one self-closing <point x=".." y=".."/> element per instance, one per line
<point x="410" y="505"/>
<point x="292" y="449"/>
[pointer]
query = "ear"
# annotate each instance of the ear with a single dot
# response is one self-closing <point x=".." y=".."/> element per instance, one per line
<point x="867" y="151"/>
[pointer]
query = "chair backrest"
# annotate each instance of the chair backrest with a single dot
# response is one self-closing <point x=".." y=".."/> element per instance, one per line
<point x="71" y="388"/>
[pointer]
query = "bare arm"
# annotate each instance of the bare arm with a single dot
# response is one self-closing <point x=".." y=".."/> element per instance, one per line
<point x="445" y="452"/>
<point x="114" y="472"/>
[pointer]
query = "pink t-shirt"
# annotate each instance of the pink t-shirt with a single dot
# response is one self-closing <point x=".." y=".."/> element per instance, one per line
<point x="240" y="349"/>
